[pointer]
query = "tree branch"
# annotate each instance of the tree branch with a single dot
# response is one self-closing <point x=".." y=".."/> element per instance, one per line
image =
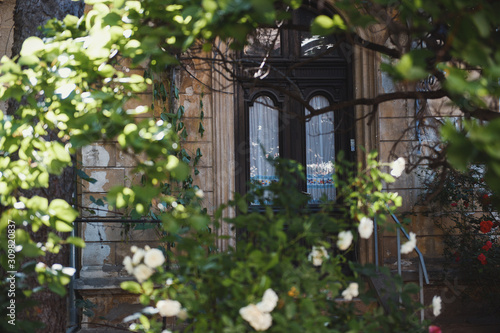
<point x="482" y="114"/>
<point x="380" y="99"/>
<point x="393" y="53"/>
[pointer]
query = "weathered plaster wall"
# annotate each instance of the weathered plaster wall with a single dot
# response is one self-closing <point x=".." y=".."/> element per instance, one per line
<point x="107" y="242"/>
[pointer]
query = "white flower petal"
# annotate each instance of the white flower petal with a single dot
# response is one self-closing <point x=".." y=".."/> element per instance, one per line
<point x="409" y="245"/>
<point x="259" y="320"/>
<point x="345" y="240"/>
<point x="351" y="291"/>
<point x="138" y="255"/>
<point x="269" y="301"/>
<point x="19" y="205"/>
<point x="168" y="308"/>
<point x="398" y="166"/>
<point x="69" y="271"/>
<point x="154" y="258"/>
<point x="317" y="255"/>
<point x="127" y="262"/>
<point x="365" y="228"/>
<point x="65" y="90"/>
<point x="142" y="272"/>
<point x="57" y="267"/>
<point x="436" y="305"/>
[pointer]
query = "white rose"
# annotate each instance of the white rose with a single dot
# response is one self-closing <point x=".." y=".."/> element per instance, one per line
<point x="69" y="271"/>
<point x="168" y="308"/>
<point x="436" y="305"/>
<point x="138" y="255"/>
<point x="365" y="228"/>
<point x="199" y="193"/>
<point x="19" y="205"/>
<point x="345" y="240"/>
<point x="154" y="258"/>
<point x="57" y="267"/>
<point x="351" y="291"/>
<point x="127" y="262"/>
<point x="142" y="273"/>
<point x="269" y="301"/>
<point x="398" y="167"/>
<point x="259" y="320"/>
<point x="182" y="315"/>
<point x="317" y="255"/>
<point x="41" y="265"/>
<point x="409" y="245"/>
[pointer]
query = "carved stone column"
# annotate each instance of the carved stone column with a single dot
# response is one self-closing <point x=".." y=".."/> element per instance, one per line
<point x="224" y="144"/>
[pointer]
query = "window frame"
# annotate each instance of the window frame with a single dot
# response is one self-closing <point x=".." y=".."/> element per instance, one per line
<point x="331" y="77"/>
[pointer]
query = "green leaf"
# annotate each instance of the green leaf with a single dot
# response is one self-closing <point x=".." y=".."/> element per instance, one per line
<point x="63" y="226"/>
<point x="323" y="25"/>
<point x="481" y="23"/>
<point x="412" y="66"/>
<point x="131" y="286"/>
<point x="28" y="60"/>
<point x="177" y="169"/>
<point x="31" y="46"/>
<point x="242" y="205"/>
<point x="57" y="287"/>
<point x="144" y="299"/>
<point x="71" y="20"/>
<point x="118" y="3"/>
<point x="145" y="322"/>
<point x="63" y="210"/>
<point x="84" y="176"/>
<point x="77" y="241"/>
<point x="460" y="150"/>
<point x="290" y="310"/>
<point x="31" y="250"/>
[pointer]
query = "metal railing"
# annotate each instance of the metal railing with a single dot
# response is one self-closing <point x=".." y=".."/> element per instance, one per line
<point x="422" y="270"/>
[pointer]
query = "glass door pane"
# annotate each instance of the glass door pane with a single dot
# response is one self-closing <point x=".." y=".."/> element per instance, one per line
<point x="264" y="140"/>
<point x="320" y="152"/>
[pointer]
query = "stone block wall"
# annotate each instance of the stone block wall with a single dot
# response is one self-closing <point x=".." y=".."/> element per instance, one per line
<point x="194" y="81"/>
<point x="399" y="137"/>
<point x="108" y="242"/>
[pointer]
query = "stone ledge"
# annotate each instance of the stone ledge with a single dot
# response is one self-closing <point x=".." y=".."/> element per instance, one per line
<point x="101" y="285"/>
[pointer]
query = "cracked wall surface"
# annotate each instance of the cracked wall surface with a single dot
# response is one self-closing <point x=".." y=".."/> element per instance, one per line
<point x="107" y="243"/>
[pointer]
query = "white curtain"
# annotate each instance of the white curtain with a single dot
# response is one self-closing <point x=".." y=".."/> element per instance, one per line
<point x="263" y="133"/>
<point x="320" y="152"/>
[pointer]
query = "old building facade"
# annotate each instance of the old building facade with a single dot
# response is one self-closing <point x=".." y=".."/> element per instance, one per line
<point x="221" y="169"/>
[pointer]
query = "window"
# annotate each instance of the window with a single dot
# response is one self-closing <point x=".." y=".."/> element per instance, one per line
<point x="285" y="67"/>
<point x="320" y="152"/>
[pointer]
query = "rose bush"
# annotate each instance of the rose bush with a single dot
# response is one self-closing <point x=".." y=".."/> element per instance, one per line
<point x="465" y="208"/>
<point x="292" y="268"/>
